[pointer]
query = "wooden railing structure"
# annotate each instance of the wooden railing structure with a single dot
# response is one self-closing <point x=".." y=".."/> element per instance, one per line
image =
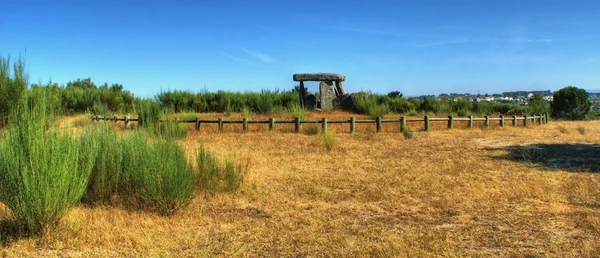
<point x="426" y="120"/>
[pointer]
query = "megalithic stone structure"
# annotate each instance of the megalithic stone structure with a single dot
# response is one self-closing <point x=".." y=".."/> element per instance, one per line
<point x="327" y="89"/>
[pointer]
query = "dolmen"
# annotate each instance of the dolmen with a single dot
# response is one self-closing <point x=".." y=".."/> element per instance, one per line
<point x="330" y="87"/>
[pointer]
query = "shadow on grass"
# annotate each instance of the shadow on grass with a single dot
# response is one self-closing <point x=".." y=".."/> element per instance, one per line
<point x="11" y="231"/>
<point x="568" y="157"/>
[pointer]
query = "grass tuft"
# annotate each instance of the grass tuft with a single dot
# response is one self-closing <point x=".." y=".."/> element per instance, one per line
<point x="298" y="111"/>
<point x="562" y="129"/>
<point x="213" y="176"/>
<point x="329" y="141"/>
<point x="408" y="134"/>
<point x="311" y="130"/>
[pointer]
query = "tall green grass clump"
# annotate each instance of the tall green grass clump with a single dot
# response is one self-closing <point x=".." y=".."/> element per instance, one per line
<point x="106" y="172"/>
<point x="43" y="172"/>
<point x="329" y="141"/>
<point x="297" y="111"/>
<point x="156" y="173"/>
<point x="170" y="127"/>
<point x="214" y="176"/>
<point x="148" y="113"/>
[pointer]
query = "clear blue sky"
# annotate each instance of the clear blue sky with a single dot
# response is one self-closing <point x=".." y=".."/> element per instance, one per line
<point x="415" y="47"/>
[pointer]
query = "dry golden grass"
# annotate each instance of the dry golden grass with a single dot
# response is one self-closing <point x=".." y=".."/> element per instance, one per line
<point x="442" y="193"/>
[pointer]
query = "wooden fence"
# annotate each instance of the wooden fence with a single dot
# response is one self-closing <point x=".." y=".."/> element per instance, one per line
<point x="402" y="122"/>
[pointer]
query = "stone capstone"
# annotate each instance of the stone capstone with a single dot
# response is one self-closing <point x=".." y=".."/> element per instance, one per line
<point x="317" y="77"/>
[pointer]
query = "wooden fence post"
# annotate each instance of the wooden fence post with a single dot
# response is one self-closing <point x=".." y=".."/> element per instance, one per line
<point x="540" y="119"/>
<point x="470" y="121"/>
<point x="245" y="124"/>
<point x="547" y="117"/>
<point x="352" y="124"/>
<point x="525" y="121"/>
<point x="501" y="120"/>
<point x="378" y="124"/>
<point x="487" y="121"/>
<point x="297" y="125"/>
<point x="426" y="123"/>
<point x="450" y="122"/>
<point x="126" y="120"/>
<point x="115" y="119"/>
<point x="140" y="121"/>
<point x="271" y="124"/>
<point x="324" y="125"/>
<point x="220" y="122"/>
<point x="402" y="123"/>
<point x="197" y="124"/>
<point x="514" y="120"/>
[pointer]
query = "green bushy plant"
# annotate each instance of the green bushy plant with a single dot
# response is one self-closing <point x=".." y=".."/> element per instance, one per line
<point x="156" y="173"/>
<point x="12" y="86"/>
<point x="43" y="172"/>
<point x="368" y="105"/>
<point x="106" y="172"/>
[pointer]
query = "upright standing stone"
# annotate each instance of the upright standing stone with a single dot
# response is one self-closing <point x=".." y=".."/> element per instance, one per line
<point x="327" y="91"/>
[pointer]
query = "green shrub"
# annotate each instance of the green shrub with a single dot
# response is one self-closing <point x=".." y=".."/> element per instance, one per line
<point x="228" y="109"/>
<point x="328" y="141"/>
<point x="368" y="105"/>
<point x="401" y="105"/>
<point x="11" y="88"/>
<point x="43" y="172"/>
<point x="148" y="113"/>
<point x="581" y="130"/>
<point x="156" y="173"/>
<point x="106" y="172"/>
<point x="213" y="176"/>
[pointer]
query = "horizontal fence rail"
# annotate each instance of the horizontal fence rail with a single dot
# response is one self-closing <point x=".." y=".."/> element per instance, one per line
<point x="403" y="121"/>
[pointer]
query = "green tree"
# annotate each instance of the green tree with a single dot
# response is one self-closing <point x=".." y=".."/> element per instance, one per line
<point x="571" y="103"/>
<point x="538" y="105"/>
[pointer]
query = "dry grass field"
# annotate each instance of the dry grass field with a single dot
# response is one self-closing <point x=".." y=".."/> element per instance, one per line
<point x="508" y="191"/>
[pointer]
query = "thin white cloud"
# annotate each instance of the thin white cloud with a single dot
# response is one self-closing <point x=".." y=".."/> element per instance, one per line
<point x="237" y="59"/>
<point x="442" y="43"/>
<point x="261" y="56"/>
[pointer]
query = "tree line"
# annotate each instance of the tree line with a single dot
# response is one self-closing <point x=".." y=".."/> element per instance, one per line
<point x="85" y="96"/>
